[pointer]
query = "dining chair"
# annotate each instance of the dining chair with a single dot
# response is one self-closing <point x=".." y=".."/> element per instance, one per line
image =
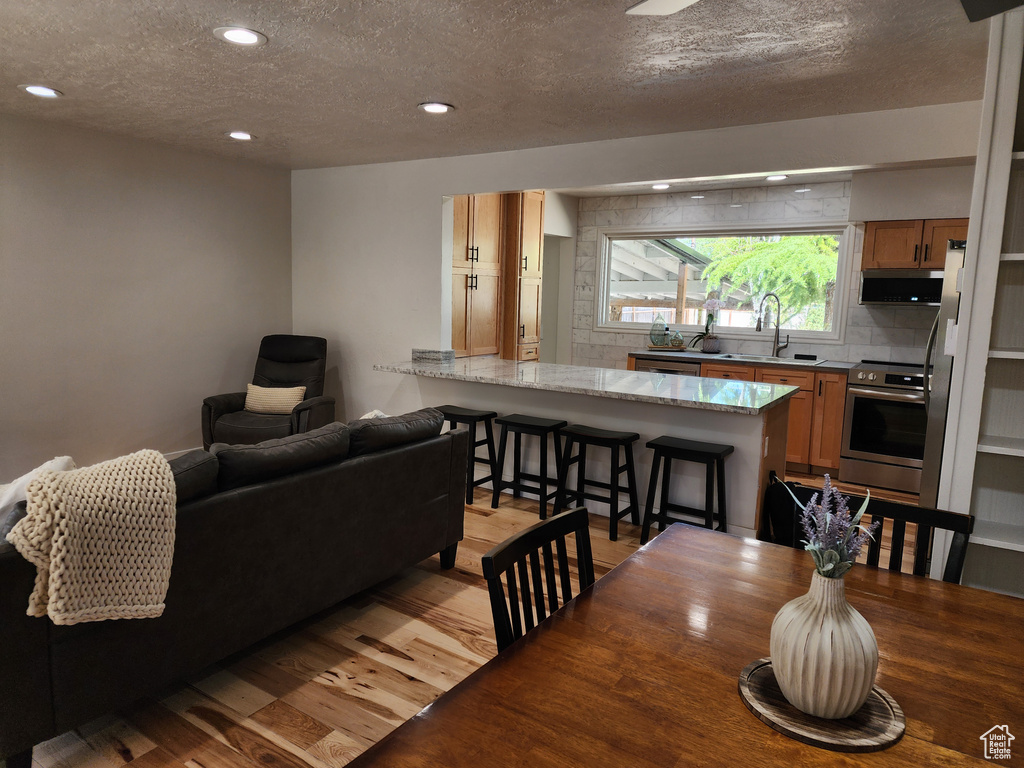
<point x="519" y="560"/>
<point x="782" y="526"/>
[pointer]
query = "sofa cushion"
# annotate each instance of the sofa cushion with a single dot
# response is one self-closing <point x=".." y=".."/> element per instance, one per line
<point x="195" y="475"/>
<point x="246" y="464"/>
<point x="245" y="427"/>
<point x="369" y="435"/>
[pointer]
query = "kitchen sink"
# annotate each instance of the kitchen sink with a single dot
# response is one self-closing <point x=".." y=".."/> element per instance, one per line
<point x="769" y="359"/>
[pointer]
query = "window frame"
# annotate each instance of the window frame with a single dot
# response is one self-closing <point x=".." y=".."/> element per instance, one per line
<point x="843" y="229"/>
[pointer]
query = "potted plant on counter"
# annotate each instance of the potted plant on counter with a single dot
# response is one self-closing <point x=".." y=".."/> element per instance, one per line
<point x="709" y="342"/>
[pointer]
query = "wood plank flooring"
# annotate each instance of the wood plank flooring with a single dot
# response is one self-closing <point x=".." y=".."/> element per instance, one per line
<point x="323" y="692"/>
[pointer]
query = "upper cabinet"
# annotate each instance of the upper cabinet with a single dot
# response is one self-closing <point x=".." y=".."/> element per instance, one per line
<point x="476" y="240"/>
<point x="914" y="244"/>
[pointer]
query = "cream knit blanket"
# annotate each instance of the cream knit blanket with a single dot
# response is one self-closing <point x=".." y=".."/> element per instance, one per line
<point x="101" y="538"/>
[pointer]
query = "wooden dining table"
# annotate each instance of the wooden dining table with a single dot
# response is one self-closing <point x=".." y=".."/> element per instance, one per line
<point x="642" y="669"/>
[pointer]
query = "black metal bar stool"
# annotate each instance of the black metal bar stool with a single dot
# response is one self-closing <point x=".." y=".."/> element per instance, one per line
<point x="456" y="415"/>
<point x="669" y="449"/>
<point x="580" y="436"/>
<point x="520" y="425"/>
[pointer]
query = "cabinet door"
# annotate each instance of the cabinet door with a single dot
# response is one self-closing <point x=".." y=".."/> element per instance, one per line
<point x="722" y="371"/>
<point x="827" y="426"/>
<point x="529" y="311"/>
<point x="483" y="319"/>
<point x="487" y="231"/>
<point x="892" y="244"/>
<point x="936" y="234"/>
<point x="532" y="239"/>
<point x="801" y="409"/>
<point x="462" y="235"/>
<point x="461" y="294"/>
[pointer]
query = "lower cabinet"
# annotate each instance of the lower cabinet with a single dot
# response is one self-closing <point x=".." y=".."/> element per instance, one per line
<point x="801" y="409"/>
<point x="816" y="411"/>
<point x="476" y="300"/>
<point x="725" y="371"/>
<point x="827" y="422"/>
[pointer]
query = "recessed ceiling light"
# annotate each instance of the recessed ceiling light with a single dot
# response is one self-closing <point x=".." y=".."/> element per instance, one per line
<point x="240" y="36"/>
<point x="777" y="177"/>
<point x="41" y="91"/>
<point x="805" y="189"/>
<point x="435" y="107"/>
<point x="659" y="7"/>
<point x="659" y="186"/>
<point x="696" y="197"/>
<point x="241" y="135"/>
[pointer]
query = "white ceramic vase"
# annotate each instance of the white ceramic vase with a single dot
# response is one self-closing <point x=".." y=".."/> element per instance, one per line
<point x="824" y="653"/>
<point x="711" y="344"/>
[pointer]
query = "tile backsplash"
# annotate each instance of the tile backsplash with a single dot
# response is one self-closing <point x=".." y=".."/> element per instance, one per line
<point x="897" y="334"/>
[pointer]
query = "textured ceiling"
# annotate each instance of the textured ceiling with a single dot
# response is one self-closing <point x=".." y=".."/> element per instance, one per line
<point x="338" y="83"/>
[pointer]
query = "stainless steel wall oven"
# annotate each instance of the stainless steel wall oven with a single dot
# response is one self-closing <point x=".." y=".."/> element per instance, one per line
<point x="885" y="426"/>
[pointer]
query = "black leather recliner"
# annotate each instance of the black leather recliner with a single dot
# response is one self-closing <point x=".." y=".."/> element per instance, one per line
<point x="283" y="361"/>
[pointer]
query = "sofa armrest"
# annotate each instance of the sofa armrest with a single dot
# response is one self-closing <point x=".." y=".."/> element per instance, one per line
<point x="216" y="406"/>
<point x="26" y="707"/>
<point x="457" y="484"/>
<point x="312" y="413"/>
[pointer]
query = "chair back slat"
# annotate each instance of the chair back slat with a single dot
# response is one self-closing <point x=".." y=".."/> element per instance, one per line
<point x="899" y="533"/>
<point x="875" y="545"/>
<point x="513" y="604"/>
<point x="525" y="595"/>
<point x="549" y="573"/>
<point x="563" y="569"/>
<point x="922" y="549"/>
<point x="509" y="560"/>
<point x="538" y="586"/>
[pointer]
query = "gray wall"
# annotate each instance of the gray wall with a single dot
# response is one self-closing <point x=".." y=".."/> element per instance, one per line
<point x="136" y="280"/>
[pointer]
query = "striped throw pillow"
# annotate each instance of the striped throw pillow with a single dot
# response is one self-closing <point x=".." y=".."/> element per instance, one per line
<point x="280" y="400"/>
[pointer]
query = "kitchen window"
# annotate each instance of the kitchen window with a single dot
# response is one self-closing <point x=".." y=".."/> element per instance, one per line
<point x="644" y="275"/>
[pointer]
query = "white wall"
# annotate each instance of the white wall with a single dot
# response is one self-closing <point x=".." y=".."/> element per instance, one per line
<point x="918" y="193"/>
<point x="366" y="257"/>
<point x="137" y="279"/>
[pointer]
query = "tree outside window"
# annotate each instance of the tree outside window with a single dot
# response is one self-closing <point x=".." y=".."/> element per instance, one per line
<point x="672" y="276"/>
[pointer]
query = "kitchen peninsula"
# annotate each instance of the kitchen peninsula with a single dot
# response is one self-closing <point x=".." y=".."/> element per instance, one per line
<point x="750" y="416"/>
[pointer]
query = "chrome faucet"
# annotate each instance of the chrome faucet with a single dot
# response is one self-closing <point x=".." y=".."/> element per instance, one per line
<point x="776" y="347"/>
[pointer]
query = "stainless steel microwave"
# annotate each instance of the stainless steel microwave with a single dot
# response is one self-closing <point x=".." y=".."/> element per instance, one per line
<point x="901" y="287"/>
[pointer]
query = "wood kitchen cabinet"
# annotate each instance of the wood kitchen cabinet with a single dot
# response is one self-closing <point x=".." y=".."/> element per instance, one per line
<point x="726" y="371"/>
<point x="801" y="409"/>
<point x="912" y="244"/>
<point x="827" y="419"/>
<point x="476" y="274"/>
<point x="524" y="256"/>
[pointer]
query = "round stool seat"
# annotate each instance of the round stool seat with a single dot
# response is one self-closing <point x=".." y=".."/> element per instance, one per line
<point x="465" y="415"/>
<point x="601" y="437"/>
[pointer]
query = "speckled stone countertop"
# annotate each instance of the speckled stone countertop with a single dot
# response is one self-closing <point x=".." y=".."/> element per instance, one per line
<point x="831" y="366"/>
<point x="638" y="386"/>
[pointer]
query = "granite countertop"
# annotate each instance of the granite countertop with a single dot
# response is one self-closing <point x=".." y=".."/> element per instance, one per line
<point x="638" y="386"/>
<point x="834" y="366"/>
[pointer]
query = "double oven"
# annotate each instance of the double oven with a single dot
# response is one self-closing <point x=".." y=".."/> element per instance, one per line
<point x="885" y="426"/>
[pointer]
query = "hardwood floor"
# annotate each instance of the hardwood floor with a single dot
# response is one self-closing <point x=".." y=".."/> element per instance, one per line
<point x="321" y="693"/>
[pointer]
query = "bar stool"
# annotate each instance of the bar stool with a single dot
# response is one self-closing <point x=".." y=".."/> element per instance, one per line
<point x="456" y="415"/>
<point x="520" y="425"/>
<point x="580" y="436"/>
<point x="712" y="456"/>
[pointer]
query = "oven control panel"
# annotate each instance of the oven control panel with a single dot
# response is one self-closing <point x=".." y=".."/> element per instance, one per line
<point x="889" y="376"/>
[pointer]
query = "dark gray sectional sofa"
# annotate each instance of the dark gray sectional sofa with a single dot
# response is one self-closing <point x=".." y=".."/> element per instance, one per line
<point x="266" y="535"/>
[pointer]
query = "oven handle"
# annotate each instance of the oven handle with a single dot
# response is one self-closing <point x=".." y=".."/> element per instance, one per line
<point x="929" y="348"/>
<point x="909" y="397"/>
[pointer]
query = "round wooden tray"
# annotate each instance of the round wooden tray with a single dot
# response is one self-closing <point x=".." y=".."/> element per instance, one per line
<point x="875" y="726"/>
